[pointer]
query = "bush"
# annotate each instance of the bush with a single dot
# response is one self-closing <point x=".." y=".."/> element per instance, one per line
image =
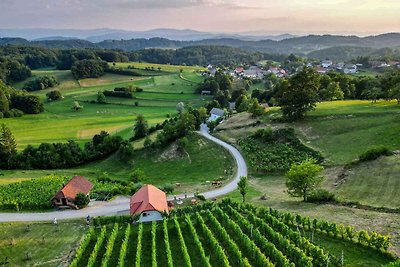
<point x="374" y="153"/>
<point x="137" y="175"/>
<point x="168" y="188"/>
<point x="81" y="200"/>
<point x="321" y="196"/>
<point x="1" y="115"/>
<point x="54" y="95"/>
<point x="40" y="83"/>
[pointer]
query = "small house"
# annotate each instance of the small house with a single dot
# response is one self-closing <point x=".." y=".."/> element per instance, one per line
<point x="215" y="114"/>
<point x="148" y="203"/>
<point x="326" y="63"/>
<point x="66" y="196"/>
<point x="350" y="69"/>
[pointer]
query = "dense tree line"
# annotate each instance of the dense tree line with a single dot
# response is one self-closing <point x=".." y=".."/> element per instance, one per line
<point x="15" y="101"/>
<point x="40" y="83"/>
<point x="88" y="68"/>
<point x="55" y="155"/>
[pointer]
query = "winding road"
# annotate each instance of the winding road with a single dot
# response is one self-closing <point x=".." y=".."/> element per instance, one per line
<point x="120" y="205"/>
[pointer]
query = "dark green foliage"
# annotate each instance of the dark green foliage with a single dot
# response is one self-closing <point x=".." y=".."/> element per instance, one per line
<point x="54" y="95"/>
<point x="4" y="104"/>
<point x="81" y="200"/>
<point x="29" y="104"/>
<point x="101" y="98"/>
<point x="40" y="83"/>
<point x="375" y="153"/>
<point x="141" y="126"/>
<point x="66" y="155"/>
<point x="299" y="95"/>
<point x="12" y="70"/>
<point x="321" y="196"/>
<point x="8" y="148"/>
<point x="124" y="92"/>
<point x="88" y="68"/>
<point x="275" y="150"/>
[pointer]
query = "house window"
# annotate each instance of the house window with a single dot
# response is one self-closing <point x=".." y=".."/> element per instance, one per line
<point x="144" y="214"/>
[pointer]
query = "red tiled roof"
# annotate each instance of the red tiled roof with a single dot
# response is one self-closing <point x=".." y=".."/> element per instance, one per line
<point x="78" y="184"/>
<point x="148" y="198"/>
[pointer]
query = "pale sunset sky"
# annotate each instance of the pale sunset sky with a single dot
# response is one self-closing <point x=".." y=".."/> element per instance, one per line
<point x="270" y="16"/>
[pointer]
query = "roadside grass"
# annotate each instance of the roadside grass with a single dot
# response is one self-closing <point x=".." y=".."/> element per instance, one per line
<point x="47" y="244"/>
<point x="375" y="183"/>
<point x="191" y="168"/>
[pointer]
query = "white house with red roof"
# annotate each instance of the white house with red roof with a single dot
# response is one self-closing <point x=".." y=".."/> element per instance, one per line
<point x="149" y="203"/>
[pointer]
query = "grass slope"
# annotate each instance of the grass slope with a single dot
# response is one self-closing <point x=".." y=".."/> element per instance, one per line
<point x="48" y="245"/>
<point x="60" y="123"/>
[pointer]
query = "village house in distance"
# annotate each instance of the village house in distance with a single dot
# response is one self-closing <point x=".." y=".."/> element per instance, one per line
<point x="216" y="113"/>
<point x="149" y="203"/>
<point x="66" y="196"/>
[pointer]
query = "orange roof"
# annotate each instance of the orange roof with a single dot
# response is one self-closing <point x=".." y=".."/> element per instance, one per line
<point x="78" y="184"/>
<point x="148" y="198"/>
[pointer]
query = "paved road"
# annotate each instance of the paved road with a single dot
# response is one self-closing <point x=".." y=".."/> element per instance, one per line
<point x="120" y="205"/>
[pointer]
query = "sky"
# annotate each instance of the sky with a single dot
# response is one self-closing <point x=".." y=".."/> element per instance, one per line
<point x="268" y="16"/>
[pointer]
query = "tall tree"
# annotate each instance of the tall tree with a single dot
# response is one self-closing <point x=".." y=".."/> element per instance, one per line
<point x="243" y="186"/>
<point x="4" y="104"/>
<point x="101" y="98"/>
<point x="8" y="147"/>
<point x="141" y="126"/>
<point x="300" y="95"/>
<point x="303" y="178"/>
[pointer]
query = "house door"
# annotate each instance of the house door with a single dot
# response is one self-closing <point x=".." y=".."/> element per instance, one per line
<point x="64" y="201"/>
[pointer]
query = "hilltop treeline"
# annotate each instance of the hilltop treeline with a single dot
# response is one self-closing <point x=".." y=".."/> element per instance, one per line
<point x="16" y="62"/>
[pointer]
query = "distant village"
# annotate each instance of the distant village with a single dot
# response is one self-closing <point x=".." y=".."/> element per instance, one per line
<point x="259" y="71"/>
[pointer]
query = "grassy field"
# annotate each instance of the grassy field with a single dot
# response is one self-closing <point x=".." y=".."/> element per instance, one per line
<point x="342" y="130"/>
<point x="163" y="67"/>
<point x="47" y="245"/>
<point x="374" y="183"/>
<point x="60" y="123"/>
<point x="191" y="168"/>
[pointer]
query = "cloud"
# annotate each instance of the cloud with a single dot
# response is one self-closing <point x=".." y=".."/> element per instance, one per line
<point x="167" y="4"/>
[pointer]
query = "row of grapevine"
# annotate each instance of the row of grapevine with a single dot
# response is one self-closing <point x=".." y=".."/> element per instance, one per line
<point x="245" y="242"/>
<point x="291" y="251"/>
<point x="167" y="247"/>
<point x="369" y="239"/>
<point x="204" y="259"/>
<point x="316" y="253"/>
<point x="232" y="247"/>
<point x="97" y="246"/>
<point x="185" y="252"/>
<point x="110" y="246"/>
<point x="153" y="244"/>
<point x="124" y="247"/>
<point x="213" y="242"/>
<point x="139" y="246"/>
<point x="263" y="243"/>
<point x="82" y="247"/>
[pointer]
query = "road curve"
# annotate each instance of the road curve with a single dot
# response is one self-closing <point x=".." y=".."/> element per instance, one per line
<point x="120" y="205"/>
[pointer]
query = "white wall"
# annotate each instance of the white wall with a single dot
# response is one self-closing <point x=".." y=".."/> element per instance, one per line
<point x="150" y="216"/>
<point x="213" y="117"/>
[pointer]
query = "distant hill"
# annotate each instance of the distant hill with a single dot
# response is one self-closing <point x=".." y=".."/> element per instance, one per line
<point x="319" y="46"/>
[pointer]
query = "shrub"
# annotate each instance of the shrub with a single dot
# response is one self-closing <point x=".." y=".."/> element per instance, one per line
<point x="137" y="175"/>
<point x="81" y="200"/>
<point x="321" y="196"/>
<point x="54" y="95"/>
<point x="374" y="153"/>
<point x="168" y="188"/>
<point x="1" y="115"/>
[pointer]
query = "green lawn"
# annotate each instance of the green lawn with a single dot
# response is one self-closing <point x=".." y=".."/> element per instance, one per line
<point x="47" y="244"/>
<point x="164" y="67"/>
<point x="374" y="183"/>
<point x="60" y="123"/>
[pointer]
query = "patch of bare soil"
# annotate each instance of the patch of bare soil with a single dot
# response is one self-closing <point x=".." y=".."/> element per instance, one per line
<point x="172" y="153"/>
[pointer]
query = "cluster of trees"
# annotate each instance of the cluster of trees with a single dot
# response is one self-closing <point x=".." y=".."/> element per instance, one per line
<point x="15" y="102"/>
<point x="188" y="120"/>
<point x="124" y="92"/>
<point x="301" y="92"/>
<point x="12" y="70"/>
<point x="40" y="83"/>
<point x="88" y="68"/>
<point x="55" y="155"/>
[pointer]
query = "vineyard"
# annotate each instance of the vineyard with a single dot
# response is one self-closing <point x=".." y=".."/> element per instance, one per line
<point x="268" y="150"/>
<point x="227" y="234"/>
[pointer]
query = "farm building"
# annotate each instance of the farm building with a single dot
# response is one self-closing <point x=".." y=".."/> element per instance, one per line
<point x="66" y="196"/>
<point x="215" y="114"/>
<point x="149" y="203"/>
